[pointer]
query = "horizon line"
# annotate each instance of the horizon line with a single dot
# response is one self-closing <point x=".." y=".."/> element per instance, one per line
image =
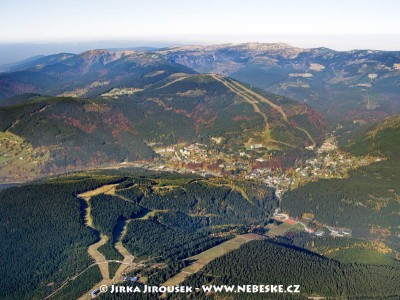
<point x="160" y="43"/>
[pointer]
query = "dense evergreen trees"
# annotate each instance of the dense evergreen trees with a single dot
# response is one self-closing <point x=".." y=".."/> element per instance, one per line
<point x="157" y="276"/>
<point x="42" y="238"/>
<point x="181" y="220"/>
<point x="369" y="196"/>
<point x="359" y="201"/>
<point x="149" y="238"/>
<point x="219" y="203"/>
<point x="107" y="210"/>
<point x="76" y="288"/>
<point x="267" y="262"/>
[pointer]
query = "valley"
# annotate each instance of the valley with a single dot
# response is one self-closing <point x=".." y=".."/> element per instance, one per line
<point x="193" y="165"/>
<point x="228" y="127"/>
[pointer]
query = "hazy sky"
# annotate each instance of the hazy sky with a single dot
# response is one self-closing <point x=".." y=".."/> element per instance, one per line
<point x="336" y="24"/>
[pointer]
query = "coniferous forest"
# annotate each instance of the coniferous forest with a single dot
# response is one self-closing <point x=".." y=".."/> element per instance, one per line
<point x="181" y="166"/>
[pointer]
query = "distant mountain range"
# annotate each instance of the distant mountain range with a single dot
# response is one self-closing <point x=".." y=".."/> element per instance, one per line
<point x="11" y="53"/>
<point x="356" y="86"/>
<point x="359" y="85"/>
<point x="88" y="74"/>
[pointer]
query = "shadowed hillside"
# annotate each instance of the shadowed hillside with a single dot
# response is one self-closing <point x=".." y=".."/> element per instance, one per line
<point x="127" y="124"/>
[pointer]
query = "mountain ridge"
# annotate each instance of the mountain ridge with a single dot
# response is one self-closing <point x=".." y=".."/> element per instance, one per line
<point x="64" y="72"/>
<point x="132" y="124"/>
<point x="354" y="86"/>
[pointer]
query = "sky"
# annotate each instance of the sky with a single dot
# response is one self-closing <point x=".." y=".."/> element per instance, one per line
<point x="340" y="25"/>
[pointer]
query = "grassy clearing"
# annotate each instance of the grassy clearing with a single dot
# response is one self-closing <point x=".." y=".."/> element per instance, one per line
<point x="172" y="82"/>
<point x="108" y="189"/>
<point x="128" y="257"/>
<point x="283" y="228"/>
<point x="248" y="99"/>
<point x="273" y="105"/>
<point x="205" y="257"/>
<point x="363" y="256"/>
<point x="18" y="159"/>
<point x="93" y="249"/>
<point x="98" y="257"/>
<point x="364" y="252"/>
<point x="152" y="214"/>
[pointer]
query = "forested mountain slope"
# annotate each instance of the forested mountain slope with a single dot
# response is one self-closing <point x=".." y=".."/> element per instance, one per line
<point x="368" y="200"/>
<point x="125" y="125"/>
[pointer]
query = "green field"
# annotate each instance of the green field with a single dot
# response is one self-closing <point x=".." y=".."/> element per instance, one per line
<point x="281" y="229"/>
<point x="19" y="161"/>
